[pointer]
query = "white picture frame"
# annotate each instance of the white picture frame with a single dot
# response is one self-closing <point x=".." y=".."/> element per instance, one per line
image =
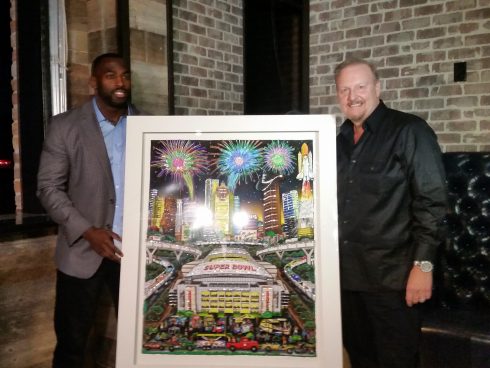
<point x="144" y="134"/>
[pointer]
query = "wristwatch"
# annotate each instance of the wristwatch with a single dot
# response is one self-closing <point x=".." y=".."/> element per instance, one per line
<point x="425" y="266"/>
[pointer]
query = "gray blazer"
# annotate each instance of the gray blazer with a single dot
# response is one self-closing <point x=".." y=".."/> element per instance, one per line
<point x="76" y="187"/>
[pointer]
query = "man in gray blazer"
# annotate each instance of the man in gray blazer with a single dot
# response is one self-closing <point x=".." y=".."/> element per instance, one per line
<point x="81" y="186"/>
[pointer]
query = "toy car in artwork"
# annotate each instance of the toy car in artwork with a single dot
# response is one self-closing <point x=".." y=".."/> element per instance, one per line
<point x="203" y="344"/>
<point x="219" y="343"/>
<point x="182" y="343"/>
<point x="208" y="341"/>
<point x="244" y="344"/>
<point x="153" y="345"/>
<point x="304" y="348"/>
<point x="270" y="346"/>
<point x="276" y="326"/>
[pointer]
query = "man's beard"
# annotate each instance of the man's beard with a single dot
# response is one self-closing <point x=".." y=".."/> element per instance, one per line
<point x="112" y="101"/>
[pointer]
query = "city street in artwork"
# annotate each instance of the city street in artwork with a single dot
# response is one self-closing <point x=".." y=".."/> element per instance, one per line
<point x="230" y="246"/>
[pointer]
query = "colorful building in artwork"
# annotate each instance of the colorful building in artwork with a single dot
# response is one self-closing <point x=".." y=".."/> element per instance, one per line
<point x="210" y="187"/>
<point x="290" y="208"/>
<point x="188" y="218"/>
<point x="229" y="280"/>
<point x="168" y="218"/>
<point x="272" y="204"/>
<point x="157" y="212"/>
<point x="235" y="210"/>
<point x="306" y="210"/>
<point x="222" y="210"/>
<point x="249" y="232"/>
<point x="208" y="232"/>
<point x="260" y="229"/>
<point x="151" y="203"/>
<point x="178" y="219"/>
<point x="253" y="221"/>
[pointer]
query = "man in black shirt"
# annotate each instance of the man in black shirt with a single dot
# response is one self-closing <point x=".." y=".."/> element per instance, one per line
<point x="392" y="199"/>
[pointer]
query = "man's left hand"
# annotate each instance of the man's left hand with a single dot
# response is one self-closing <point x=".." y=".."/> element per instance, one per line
<point x="419" y="286"/>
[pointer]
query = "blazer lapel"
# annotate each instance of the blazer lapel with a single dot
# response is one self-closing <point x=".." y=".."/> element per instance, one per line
<point x="94" y="140"/>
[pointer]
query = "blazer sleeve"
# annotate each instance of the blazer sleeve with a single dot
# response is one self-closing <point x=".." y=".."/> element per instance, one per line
<point x="53" y="179"/>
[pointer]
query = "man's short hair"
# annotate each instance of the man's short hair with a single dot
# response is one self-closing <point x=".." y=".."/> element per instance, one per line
<point x="99" y="59"/>
<point x="355" y="61"/>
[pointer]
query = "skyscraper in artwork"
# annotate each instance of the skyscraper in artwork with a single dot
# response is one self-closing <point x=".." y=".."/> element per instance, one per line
<point x="151" y="203"/>
<point x="306" y="210"/>
<point x="157" y="212"/>
<point x="222" y="210"/>
<point x="290" y="206"/>
<point x="188" y="218"/>
<point x="168" y="218"/>
<point x="210" y="187"/>
<point x="272" y="204"/>
<point x="178" y="219"/>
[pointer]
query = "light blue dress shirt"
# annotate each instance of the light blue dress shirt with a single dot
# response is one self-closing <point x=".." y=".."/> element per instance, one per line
<point x="115" y="143"/>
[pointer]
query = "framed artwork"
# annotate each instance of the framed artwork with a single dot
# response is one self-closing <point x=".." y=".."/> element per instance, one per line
<point x="230" y="243"/>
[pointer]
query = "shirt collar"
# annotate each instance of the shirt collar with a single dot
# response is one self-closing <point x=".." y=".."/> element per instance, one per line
<point x="372" y="122"/>
<point x="101" y="118"/>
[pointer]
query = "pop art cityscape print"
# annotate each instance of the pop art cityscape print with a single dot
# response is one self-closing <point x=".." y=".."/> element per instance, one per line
<point x="230" y="248"/>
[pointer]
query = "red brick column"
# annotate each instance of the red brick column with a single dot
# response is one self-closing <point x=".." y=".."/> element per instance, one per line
<point x="15" y="108"/>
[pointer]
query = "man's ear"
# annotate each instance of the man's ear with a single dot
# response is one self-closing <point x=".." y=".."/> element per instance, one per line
<point x="92" y="82"/>
<point x="378" y="88"/>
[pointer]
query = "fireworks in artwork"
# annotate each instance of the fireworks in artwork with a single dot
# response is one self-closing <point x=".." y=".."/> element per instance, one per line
<point x="278" y="157"/>
<point x="238" y="160"/>
<point x="182" y="160"/>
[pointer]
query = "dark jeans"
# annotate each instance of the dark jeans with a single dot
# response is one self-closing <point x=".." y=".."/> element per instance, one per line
<point x="75" y="309"/>
<point x="380" y="330"/>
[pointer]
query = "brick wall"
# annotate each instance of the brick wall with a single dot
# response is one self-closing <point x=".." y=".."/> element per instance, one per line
<point x="414" y="44"/>
<point x="208" y="57"/>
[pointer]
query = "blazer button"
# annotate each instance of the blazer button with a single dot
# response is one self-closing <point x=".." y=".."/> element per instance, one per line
<point x="111" y="201"/>
<point x="108" y="226"/>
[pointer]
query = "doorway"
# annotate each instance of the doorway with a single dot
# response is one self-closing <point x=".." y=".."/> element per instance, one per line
<point x="276" y="56"/>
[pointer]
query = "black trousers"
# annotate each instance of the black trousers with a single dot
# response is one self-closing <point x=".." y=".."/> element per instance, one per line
<point x="75" y="309"/>
<point x="380" y="330"/>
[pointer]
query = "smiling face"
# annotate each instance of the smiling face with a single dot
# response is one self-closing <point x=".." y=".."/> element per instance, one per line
<point x="358" y="92"/>
<point x="111" y="81"/>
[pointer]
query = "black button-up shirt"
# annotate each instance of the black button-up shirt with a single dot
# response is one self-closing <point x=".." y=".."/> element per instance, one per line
<point x="391" y="198"/>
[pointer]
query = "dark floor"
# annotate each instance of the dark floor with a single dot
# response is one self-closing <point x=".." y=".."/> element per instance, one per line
<point x="456" y="339"/>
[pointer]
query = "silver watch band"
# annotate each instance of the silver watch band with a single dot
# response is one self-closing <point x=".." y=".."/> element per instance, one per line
<point x="425" y="266"/>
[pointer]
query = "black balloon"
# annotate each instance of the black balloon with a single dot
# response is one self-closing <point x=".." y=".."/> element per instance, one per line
<point x="467" y="207"/>
<point x="479" y="227"/>
<point x="464" y="266"/>
<point x="485" y="208"/>
<point x="457" y="185"/>
<point x="453" y="224"/>
<point x="479" y="188"/>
